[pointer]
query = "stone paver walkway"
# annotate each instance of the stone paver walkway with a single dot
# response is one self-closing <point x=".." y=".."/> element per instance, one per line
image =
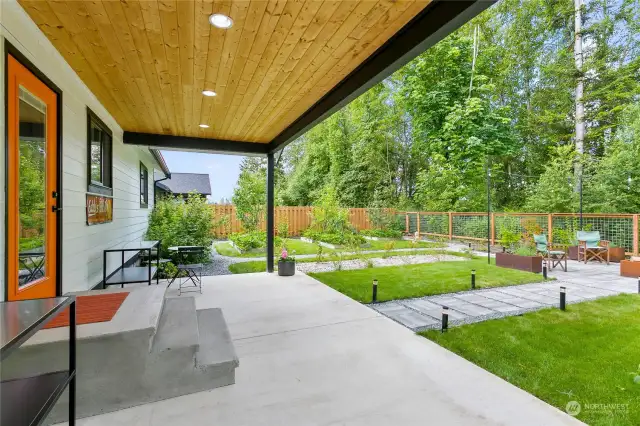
<point x="583" y="282"/>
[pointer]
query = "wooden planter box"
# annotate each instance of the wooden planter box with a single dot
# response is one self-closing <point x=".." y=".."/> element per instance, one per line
<point x="523" y="263"/>
<point x="616" y="254"/>
<point x="630" y="269"/>
<point x="573" y="253"/>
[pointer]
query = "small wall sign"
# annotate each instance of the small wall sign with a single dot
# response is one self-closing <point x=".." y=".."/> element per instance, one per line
<point x="99" y="209"/>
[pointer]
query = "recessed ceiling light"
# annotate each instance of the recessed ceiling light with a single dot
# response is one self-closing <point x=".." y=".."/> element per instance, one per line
<point x="208" y="93"/>
<point x="204" y="126"/>
<point x="220" y="21"/>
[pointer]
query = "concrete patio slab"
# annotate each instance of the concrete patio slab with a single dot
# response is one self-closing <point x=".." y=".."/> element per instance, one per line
<point x="311" y="356"/>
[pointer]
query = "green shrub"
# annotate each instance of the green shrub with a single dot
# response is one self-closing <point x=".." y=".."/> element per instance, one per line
<point x="177" y="222"/>
<point x="254" y="240"/>
<point x="282" y="230"/>
<point x="525" y="249"/>
<point x="328" y="217"/>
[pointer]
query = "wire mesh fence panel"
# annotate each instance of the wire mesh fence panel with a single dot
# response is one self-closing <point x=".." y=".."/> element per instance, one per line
<point x="618" y="229"/>
<point x="526" y="225"/>
<point x="413" y="222"/>
<point x="434" y="224"/>
<point x="471" y="226"/>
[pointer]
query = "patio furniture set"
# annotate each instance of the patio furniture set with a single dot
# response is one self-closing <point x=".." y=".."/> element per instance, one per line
<point x="590" y="247"/>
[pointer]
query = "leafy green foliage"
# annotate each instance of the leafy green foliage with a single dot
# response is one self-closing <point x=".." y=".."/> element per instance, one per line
<point x="250" y="195"/>
<point x="181" y="223"/>
<point x="328" y="217"/>
<point x="248" y="241"/>
<point x="422" y="138"/>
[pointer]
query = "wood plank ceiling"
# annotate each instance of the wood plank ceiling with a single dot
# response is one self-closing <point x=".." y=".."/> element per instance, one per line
<point x="148" y="61"/>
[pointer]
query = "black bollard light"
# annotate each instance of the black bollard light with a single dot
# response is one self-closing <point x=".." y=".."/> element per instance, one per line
<point x="563" y="298"/>
<point x="473" y="278"/>
<point x="504" y="249"/>
<point x="469" y="245"/>
<point x="375" y="291"/>
<point x="544" y="269"/>
<point x="445" y="319"/>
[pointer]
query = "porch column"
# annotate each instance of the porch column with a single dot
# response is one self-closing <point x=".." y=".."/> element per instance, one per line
<point x="270" y="212"/>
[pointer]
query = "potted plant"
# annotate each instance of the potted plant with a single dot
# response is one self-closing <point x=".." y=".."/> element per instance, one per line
<point x="286" y="264"/>
<point x="523" y="257"/>
<point x="616" y="253"/>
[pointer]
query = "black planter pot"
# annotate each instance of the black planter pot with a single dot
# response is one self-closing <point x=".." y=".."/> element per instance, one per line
<point x="286" y="269"/>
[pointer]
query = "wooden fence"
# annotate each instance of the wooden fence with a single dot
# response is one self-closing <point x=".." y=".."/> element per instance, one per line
<point x="622" y="229"/>
<point x="298" y="218"/>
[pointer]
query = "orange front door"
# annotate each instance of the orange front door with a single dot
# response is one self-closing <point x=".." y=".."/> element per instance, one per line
<point x="32" y="185"/>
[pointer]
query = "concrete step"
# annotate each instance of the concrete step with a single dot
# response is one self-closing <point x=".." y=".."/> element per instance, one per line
<point x="216" y="347"/>
<point x="178" y="326"/>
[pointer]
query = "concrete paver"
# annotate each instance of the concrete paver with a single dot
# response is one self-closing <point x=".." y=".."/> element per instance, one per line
<point x="582" y="283"/>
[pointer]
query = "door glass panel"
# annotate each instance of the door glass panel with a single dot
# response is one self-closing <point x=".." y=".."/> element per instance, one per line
<point x="32" y="201"/>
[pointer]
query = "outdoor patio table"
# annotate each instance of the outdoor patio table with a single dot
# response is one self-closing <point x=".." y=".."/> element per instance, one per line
<point x="133" y="274"/>
<point x="33" y="261"/>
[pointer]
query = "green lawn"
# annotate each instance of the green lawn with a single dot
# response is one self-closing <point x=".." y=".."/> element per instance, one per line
<point x="300" y="247"/>
<point x="406" y="281"/>
<point x="589" y="354"/>
<point x="261" y="266"/>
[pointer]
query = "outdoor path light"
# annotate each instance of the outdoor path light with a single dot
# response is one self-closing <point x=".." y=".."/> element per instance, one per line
<point x="563" y="298"/>
<point x="375" y="291"/>
<point x="473" y="278"/>
<point x="544" y="269"/>
<point x="445" y="319"/>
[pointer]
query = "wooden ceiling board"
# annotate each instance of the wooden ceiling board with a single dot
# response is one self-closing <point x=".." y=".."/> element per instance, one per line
<point x="376" y="36"/>
<point x="345" y="46"/>
<point x="258" y="86"/>
<point x="148" y="61"/>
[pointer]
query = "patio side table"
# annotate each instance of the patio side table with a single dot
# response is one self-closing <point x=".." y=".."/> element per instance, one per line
<point x="28" y="401"/>
<point x="132" y="274"/>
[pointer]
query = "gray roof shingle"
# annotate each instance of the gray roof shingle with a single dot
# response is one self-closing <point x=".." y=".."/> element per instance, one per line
<point x="183" y="183"/>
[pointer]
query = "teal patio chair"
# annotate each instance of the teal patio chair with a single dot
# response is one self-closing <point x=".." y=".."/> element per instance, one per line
<point x="591" y="247"/>
<point x="551" y="253"/>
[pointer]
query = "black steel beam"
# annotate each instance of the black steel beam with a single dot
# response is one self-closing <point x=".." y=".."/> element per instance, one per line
<point x="270" y="211"/>
<point x="188" y="143"/>
<point x="435" y="22"/>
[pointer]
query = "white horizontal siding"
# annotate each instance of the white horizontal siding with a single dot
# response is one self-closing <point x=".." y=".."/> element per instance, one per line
<point x="82" y="245"/>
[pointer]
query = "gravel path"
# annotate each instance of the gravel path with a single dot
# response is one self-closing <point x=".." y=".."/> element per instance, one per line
<point x="220" y="264"/>
<point x="376" y="262"/>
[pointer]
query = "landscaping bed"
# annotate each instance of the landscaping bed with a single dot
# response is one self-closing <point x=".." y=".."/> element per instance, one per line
<point x="587" y="354"/>
<point x="332" y="259"/>
<point x="225" y="248"/>
<point x="407" y="281"/>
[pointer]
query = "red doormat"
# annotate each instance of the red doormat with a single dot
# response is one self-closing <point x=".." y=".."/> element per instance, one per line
<point x="90" y="309"/>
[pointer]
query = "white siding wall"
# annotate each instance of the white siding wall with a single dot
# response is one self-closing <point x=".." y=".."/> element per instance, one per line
<point x="82" y="245"/>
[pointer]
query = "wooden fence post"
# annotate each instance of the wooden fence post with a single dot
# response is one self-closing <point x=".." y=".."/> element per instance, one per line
<point x="493" y="229"/>
<point x="636" y="235"/>
<point x="450" y="226"/>
<point x="406" y="222"/>
<point x="418" y="222"/>
<point x="550" y="227"/>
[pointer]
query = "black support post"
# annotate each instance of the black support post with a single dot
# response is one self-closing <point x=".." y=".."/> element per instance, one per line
<point x="72" y="363"/>
<point x="270" y="211"/>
